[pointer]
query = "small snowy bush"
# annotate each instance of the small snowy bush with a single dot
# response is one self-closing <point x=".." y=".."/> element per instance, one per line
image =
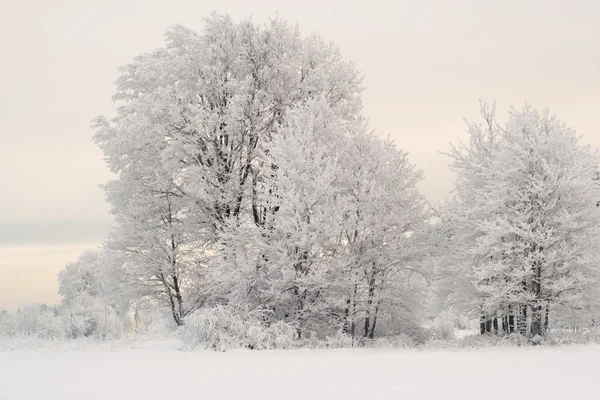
<point x="100" y="322"/>
<point x="443" y="327"/>
<point x="338" y="341"/>
<point x="479" y="341"/>
<point x="401" y="341"/>
<point x="224" y="327"/>
<point x="561" y="338"/>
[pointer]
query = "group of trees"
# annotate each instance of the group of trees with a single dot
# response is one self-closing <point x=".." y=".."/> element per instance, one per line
<point x="247" y="176"/>
<point x="520" y="237"/>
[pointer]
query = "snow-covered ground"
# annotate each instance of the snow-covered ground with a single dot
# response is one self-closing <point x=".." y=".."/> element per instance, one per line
<point x="160" y="372"/>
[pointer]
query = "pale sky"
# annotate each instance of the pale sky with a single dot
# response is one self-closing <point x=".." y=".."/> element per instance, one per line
<point x="426" y="64"/>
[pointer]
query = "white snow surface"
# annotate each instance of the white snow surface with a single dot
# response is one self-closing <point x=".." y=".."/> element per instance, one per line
<point x="160" y="371"/>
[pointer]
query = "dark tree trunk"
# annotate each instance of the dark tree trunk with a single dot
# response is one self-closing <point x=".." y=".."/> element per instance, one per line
<point x="346" y="324"/>
<point x="536" y="321"/>
<point x="256" y="208"/>
<point x="353" y="324"/>
<point x="522" y="320"/>
<point x="485" y="324"/>
<point x="536" y="313"/>
<point x="511" y="323"/>
<point x="371" y="295"/>
<point x="175" y="308"/>
<point x="374" y="324"/>
<point x="174" y="311"/>
<point x="179" y="299"/>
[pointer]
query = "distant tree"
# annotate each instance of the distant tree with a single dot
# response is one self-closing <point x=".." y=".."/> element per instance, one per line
<point x="39" y="320"/>
<point x="80" y="277"/>
<point x="94" y="294"/>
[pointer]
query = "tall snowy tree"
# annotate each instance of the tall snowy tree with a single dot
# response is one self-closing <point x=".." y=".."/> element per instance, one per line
<point x="246" y="175"/>
<point x="158" y="241"/>
<point x="299" y="231"/>
<point x="194" y="121"/>
<point x="334" y="249"/>
<point x="304" y="230"/>
<point x="382" y="273"/>
<point x="524" y="224"/>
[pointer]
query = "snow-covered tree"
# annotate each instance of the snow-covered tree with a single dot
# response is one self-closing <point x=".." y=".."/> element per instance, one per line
<point x="283" y="263"/>
<point x="524" y="226"/>
<point x="458" y="218"/>
<point x="289" y="256"/>
<point x="207" y="102"/>
<point x="247" y="176"/>
<point x="382" y="274"/>
<point x="188" y="143"/>
<point x="162" y="249"/>
<point x="333" y="247"/>
<point x="307" y="201"/>
<point x="95" y="298"/>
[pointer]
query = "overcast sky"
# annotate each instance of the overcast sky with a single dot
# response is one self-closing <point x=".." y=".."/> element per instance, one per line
<point x="426" y="64"/>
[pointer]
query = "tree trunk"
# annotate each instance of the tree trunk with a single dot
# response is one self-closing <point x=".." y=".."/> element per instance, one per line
<point x="353" y="315"/>
<point x="349" y="314"/>
<point x="485" y="324"/>
<point x="536" y="321"/>
<point x="536" y="313"/>
<point x="511" y="323"/>
<point x="522" y="320"/>
<point x="346" y="323"/>
<point x="174" y="312"/>
<point x="171" y="297"/>
<point x="372" y="332"/>
<point x="179" y="299"/>
<point x="371" y="295"/>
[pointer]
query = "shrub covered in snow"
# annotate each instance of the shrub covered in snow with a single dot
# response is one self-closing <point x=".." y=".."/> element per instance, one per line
<point x="397" y="342"/>
<point x="564" y="337"/>
<point x="99" y="322"/>
<point x="224" y="327"/>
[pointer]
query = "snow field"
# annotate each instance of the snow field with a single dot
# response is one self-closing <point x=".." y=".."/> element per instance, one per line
<point x="160" y="372"/>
